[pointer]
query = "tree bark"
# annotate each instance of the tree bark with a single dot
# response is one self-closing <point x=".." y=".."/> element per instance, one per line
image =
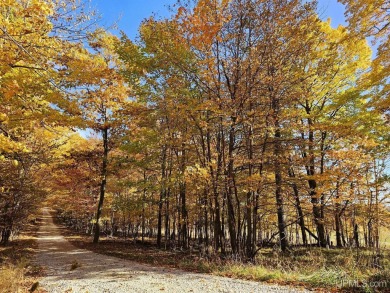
<point x="337" y="218"/>
<point x="278" y="191"/>
<point x="230" y="191"/>
<point x="162" y="197"/>
<point x="301" y="219"/>
<point x="102" y="184"/>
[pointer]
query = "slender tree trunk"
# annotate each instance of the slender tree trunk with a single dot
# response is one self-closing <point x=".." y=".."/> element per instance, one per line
<point x="205" y="215"/>
<point x="277" y="152"/>
<point x="356" y="234"/>
<point x="215" y="178"/>
<point x="159" y="218"/>
<point x="376" y="221"/>
<point x="162" y="196"/>
<point x="102" y="185"/>
<point x="5" y="235"/>
<point x="249" y="202"/>
<point x="230" y="191"/>
<point x="143" y="210"/>
<point x="318" y="220"/>
<point x="183" y="204"/>
<point x="301" y="219"/>
<point x="278" y="191"/>
<point x="337" y="218"/>
<point x="317" y="202"/>
<point x="184" y="216"/>
<point x="167" y="219"/>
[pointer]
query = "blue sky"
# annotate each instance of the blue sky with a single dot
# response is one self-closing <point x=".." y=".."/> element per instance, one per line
<point x="128" y="14"/>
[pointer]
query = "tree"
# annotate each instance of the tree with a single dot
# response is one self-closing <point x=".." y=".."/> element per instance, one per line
<point x="100" y="102"/>
<point x="23" y="180"/>
<point x="36" y="37"/>
<point x="371" y="19"/>
<point x="335" y="62"/>
<point x="231" y="126"/>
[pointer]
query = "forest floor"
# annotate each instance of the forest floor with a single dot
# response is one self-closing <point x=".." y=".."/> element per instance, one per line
<point x="313" y="268"/>
<point x="68" y="268"/>
<point x="324" y="270"/>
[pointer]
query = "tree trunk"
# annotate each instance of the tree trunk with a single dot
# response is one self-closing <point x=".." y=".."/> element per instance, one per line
<point x="215" y="178"/>
<point x="337" y="218"/>
<point x="318" y="220"/>
<point x="183" y="205"/>
<point x="230" y="191"/>
<point x="278" y="190"/>
<point x="310" y="170"/>
<point x="184" y="216"/>
<point x="356" y="235"/>
<point x="301" y="219"/>
<point x="250" y="202"/>
<point x="5" y="235"/>
<point x="102" y="185"/>
<point x="143" y="210"/>
<point x="162" y="196"/>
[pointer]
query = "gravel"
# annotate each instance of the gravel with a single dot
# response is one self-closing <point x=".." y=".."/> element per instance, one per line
<point x="70" y="269"/>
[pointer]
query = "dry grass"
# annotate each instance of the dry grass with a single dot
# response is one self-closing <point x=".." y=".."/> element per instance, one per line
<point x="11" y="279"/>
<point x="340" y="269"/>
<point x="17" y="273"/>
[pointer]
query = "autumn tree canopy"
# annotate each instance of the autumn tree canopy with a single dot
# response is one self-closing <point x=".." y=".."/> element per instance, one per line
<point x="228" y="127"/>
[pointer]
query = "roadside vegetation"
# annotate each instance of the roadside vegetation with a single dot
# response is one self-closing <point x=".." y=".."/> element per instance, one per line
<point x="341" y="270"/>
<point x="18" y="273"/>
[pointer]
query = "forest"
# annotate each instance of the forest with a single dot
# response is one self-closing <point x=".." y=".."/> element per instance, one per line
<point x="227" y="128"/>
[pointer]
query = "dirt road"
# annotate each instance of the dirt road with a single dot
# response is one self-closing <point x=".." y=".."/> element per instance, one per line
<point x="92" y="272"/>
